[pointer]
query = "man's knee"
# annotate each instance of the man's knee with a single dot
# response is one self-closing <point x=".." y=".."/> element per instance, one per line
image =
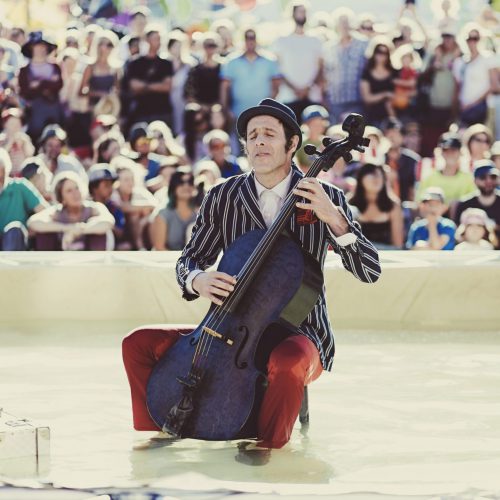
<point x="15" y="237"/>
<point x="292" y="358"/>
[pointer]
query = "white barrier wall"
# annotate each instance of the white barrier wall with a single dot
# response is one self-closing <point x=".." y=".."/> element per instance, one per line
<point x="417" y="291"/>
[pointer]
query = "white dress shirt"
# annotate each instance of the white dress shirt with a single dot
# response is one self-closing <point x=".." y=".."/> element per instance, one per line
<point x="270" y="202"/>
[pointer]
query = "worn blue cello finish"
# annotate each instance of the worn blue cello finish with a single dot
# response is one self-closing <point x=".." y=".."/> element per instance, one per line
<point x="209" y="385"/>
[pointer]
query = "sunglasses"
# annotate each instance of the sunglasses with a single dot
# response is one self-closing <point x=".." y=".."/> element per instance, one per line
<point x="366" y="28"/>
<point x="250" y="37"/>
<point x="210" y="45"/>
<point x="382" y="51"/>
<point x="142" y="141"/>
<point x="473" y="39"/>
<point x="217" y="145"/>
<point x="189" y="181"/>
<point x="483" y="177"/>
<point x="106" y="44"/>
<point x="479" y="139"/>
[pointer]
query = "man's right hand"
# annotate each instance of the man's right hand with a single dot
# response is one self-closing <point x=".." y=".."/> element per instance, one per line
<point x="213" y="285"/>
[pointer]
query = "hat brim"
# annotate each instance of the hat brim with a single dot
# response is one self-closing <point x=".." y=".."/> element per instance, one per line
<point x="27" y="48"/>
<point x="248" y="114"/>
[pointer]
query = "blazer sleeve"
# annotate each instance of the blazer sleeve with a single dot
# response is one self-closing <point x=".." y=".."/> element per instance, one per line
<point x="360" y="258"/>
<point x="205" y="244"/>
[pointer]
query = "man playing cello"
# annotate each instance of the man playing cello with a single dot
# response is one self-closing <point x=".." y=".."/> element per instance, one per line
<point x="271" y="136"/>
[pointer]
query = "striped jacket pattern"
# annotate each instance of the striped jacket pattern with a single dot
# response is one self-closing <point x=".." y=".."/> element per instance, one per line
<point x="231" y="209"/>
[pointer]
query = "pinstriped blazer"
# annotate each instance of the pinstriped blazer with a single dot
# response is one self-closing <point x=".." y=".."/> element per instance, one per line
<point x="231" y="209"/>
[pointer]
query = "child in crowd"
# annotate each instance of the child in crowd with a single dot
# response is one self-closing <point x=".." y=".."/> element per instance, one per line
<point x="432" y="231"/>
<point x="475" y="231"/>
<point x="407" y="61"/>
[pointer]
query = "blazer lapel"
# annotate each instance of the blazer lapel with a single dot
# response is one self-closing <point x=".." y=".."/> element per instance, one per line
<point x="297" y="174"/>
<point x="248" y="195"/>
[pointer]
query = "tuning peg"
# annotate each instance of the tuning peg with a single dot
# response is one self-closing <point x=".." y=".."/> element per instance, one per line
<point x="310" y="149"/>
<point x="347" y="157"/>
<point x="327" y="141"/>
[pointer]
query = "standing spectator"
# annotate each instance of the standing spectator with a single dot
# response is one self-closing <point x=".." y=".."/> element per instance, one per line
<point x="219" y="151"/>
<point x="377" y="81"/>
<point x="52" y="142"/>
<point x="442" y="90"/>
<point x="101" y="179"/>
<point x="18" y="200"/>
<point x="454" y="183"/>
<point x="475" y="231"/>
<point x="475" y="75"/>
<point x="150" y="81"/>
<point x="432" y="231"/>
<point x="203" y="82"/>
<point x="380" y="213"/>
<point x="14" y="140"/>
<point x="169" y="228"/>
<point x="135" y="41"/>
<point x="225" y="29"/>
<point x="401" y="161"/>
<point x="344" y="64"/>
<point x="181" y="65"/>
<point x="74" y="223"/>
<point x="101" y="75"/>
<point x="301" y="64"/>
<point x="40" y="83"/>
<point x="486" y="176"/>
<point x="248" y="78"/>
<point x="196" y="125"/>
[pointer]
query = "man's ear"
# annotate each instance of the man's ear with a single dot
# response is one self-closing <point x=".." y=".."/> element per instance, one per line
<point x="294" y="143"/>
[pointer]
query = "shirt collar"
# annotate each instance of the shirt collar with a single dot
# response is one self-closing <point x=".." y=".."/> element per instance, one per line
<point x="280" y="189"/>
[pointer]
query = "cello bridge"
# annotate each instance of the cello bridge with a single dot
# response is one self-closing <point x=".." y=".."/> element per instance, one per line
<point x="217" y="335"/>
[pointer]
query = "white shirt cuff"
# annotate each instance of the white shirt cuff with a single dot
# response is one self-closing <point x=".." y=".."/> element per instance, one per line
<point x="189" y="281"/>
<point x="345" y="239"/>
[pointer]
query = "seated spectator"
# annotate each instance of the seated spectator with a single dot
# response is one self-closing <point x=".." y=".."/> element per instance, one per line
<point x="380" y="213"/>
<point x="39" y="176"/>
<point x="475" y="231"/>
<point x="163" y="142"/>
<point x="104" y="124"/>
<point x="432" y="231"/>
<point x="74" y="223"/>
<point x="402" y="162"/>
<point x="107" y="147"/>
<point x="18" y="200"/>
<point x="169" y="228"/>
<point x="377" y="81"/>
<point x="478" y="139"/>
<point x="207" y="174"/>
<point x="140" y="143"/>
<point x="315" y="121"/>
<point x="159" y="184"/>
<point x="455" y="183"/>
<point x="219" y="151"/>
<point x="486" y="176"/>
<point x="52" y="143"/>
<point x="135" y="200"/>
<point x="101" y="179"/>
<point x="40" y="83"/>
<point x="14" y="140"/>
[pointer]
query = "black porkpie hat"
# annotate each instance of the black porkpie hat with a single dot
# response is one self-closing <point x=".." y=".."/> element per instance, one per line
<point x="272" y="108"/>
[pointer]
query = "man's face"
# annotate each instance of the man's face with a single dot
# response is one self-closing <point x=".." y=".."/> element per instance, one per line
<point x="217" y="149"/>
<point x="53" y="148"/>
<point x="486" y="183"/>
<point x="154" y="41"/>
<point x="433" y="208"/>
<point x="250" y="41"/>
<point x="266" y="144"/>
<point x="451" y="156"/>
<point x="104" y="190"/>
<point x="300" y="15"/>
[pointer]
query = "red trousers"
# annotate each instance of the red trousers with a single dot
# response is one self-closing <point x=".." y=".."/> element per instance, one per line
<point x="293" y="364"/>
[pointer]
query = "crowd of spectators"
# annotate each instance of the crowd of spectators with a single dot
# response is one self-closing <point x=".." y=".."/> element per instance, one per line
<point x="109" y="138"/>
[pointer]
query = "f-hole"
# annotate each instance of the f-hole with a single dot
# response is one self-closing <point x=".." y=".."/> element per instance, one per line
<point x="243" y="364"/>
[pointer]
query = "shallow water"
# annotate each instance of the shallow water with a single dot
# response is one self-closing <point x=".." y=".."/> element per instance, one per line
<point x="402" y="414"/>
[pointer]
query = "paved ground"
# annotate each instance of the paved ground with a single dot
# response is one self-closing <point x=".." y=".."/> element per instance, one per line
<point x="402" y="414"/>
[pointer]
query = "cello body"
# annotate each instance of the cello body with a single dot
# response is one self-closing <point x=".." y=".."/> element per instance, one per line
<point x="227" y="397"/>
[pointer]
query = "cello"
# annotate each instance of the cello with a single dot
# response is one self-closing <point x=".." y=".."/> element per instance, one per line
<point x="209" y="385"/>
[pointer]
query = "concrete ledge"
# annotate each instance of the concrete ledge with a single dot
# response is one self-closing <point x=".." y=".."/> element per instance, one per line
<point x="417" y="290"/>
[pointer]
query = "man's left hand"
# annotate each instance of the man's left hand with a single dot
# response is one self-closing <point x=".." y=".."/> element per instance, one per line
<point x="311" y="189"/>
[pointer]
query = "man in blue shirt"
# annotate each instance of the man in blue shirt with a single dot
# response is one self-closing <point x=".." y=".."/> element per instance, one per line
<point x="248" y="78"/>
<point x="432" y="231"/>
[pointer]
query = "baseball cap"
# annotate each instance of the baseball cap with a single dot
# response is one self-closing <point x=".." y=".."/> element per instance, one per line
<point x="30" y="167"/>
<point x="450" y="141"/>
<point x="433" y="193"/>
<point x="483" y="167"/>
<point x="475" y="216"/>
<point x="101" y="171"/>
<point x="314" y="111"/>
